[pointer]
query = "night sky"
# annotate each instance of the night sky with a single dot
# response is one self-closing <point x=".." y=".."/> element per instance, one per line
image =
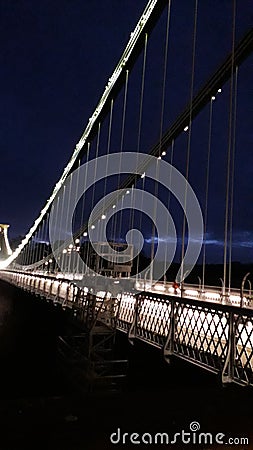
<point x="56" y="58"/>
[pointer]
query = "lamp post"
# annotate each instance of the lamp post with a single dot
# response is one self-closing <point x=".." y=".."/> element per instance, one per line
<point x="64" y="251"/>
<point x="222" y="282"/>
<point x="200" y="286"/>
<point x="250" y="287"/>
<point x="223" y="288"/>
<point x="249" y="282"/>
<point x="242" y="288"/>
<point x="182" y="282"/>
<point x="145" y="278"/>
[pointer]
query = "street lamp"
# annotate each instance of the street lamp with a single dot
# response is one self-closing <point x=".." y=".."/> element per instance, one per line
<point x="182" y="282"/>
<point x="242" y="287"/>
<point x="223" y="290"/>
<point x="222" y="285"/>
<point x="250" y="287"/>
<point x="64" y="252"/>
<point x="145" y="278"/>
<point x="201" y="288"/>
<point x="49" y="265"/>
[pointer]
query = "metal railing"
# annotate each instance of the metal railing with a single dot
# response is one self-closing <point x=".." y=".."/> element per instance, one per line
<point x="217" y="336"/>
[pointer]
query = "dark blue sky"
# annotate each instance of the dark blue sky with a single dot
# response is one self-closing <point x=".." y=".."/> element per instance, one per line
<point x="56" y="58"/>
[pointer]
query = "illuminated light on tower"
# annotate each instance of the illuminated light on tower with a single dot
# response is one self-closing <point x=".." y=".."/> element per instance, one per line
<point x="5" y="249"/>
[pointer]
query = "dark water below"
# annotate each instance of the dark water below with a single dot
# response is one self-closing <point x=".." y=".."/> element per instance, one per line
<point x="40" y="410"/>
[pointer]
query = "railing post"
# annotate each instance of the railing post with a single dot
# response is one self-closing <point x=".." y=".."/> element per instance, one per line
<point x="228" y="370"/>
<point x="67" y="294"/>
<point x="57" y="297"/>
<point x="168" y="348"/>
<point x="50" y="289"/>
<point x="30" y="280"/>
<point x="76" y="295"/>
<point x="133" y="327"/>
<point x="45" y="287"/>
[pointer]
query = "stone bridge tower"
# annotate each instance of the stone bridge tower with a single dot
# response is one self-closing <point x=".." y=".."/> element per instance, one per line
<point x="5" y="249"/>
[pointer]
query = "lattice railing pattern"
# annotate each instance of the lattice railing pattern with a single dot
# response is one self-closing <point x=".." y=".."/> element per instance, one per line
<point x="126" y="312"/>
<point x="243" y="362"/>
<point x="201" y="334"/>
<point x="153" y="320"/>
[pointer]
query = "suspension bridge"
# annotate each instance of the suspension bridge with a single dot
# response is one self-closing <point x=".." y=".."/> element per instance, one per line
<point x="160" y="168"/>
